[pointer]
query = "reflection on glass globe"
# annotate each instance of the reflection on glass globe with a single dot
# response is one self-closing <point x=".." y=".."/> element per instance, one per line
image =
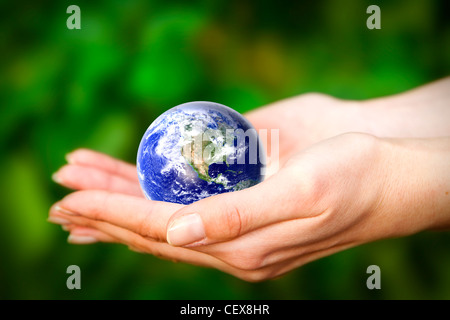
<point x="197" y="150"/>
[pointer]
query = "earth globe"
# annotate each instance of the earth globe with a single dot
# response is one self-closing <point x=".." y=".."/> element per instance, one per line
<point x="196" y="150"/>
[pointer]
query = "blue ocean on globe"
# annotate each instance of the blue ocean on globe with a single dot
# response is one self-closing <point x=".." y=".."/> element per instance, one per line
<point x="197" y="150"/>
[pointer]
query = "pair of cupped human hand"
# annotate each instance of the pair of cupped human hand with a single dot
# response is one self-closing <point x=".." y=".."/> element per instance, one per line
<point x="338" y="185"/>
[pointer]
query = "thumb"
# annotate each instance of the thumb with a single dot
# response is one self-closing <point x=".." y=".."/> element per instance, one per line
<point x="229" y="215"/>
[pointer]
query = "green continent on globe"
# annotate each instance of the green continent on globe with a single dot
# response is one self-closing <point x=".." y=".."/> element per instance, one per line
<point x="191" y="154"/>
<point x="194" y="157"/>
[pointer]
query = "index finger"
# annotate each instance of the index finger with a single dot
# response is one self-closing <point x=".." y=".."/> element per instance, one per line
<point x="145" y="217"/>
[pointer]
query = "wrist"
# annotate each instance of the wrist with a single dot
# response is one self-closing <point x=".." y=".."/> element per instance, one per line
<point x="385" y="117"/>
<point x="419" y="113"/>
<point x="417" y="186"/>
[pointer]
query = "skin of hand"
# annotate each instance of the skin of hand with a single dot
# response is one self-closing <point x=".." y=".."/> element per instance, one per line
<point x="326" y="197"/>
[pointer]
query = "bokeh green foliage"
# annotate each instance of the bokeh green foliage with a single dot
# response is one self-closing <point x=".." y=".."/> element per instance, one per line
<point x="101" y="86"/>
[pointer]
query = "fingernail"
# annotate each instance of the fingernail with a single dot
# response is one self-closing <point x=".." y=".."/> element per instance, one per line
<point x="65" y="227"/>
<point x="135" y="249"/>
<point x="56" y="178"/>
<point x="81" y="239"/>
<point x="186" y="230"/>
<point x="69" y="158"/>
<point x="65" y="211"/>
<point x="57" y="220"/>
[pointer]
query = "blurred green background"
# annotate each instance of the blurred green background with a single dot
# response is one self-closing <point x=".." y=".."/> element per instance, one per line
<point x="101" y="86"/>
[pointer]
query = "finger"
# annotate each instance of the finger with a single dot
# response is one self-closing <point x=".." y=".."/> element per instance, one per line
<point x="144" y="217"/>
<point x="85" y="235"/>
<point x="294" y="263"/>
<point x="81" y="177"/>
<point x="104" y="162"/>
<point x="229" y="215"/>
<point x="141" y="244"/>
<point x="282" y="241"/>
<point x="281" y="268"/>
<point x="165" y="251"/>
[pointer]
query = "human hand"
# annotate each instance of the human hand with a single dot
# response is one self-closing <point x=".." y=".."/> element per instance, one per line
<point x="310" y="118"/>
<point x="265" y="242"/>
<point x="337" y="194"/>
